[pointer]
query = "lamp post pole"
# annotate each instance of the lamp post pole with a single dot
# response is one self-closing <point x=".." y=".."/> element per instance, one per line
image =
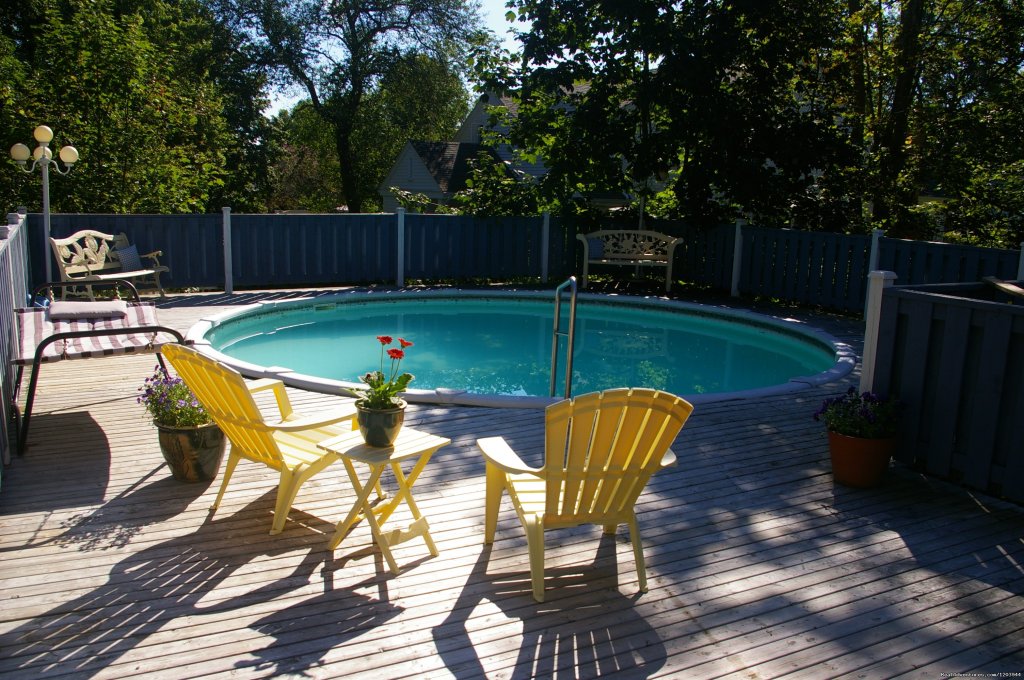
<point x="42" y="157"/>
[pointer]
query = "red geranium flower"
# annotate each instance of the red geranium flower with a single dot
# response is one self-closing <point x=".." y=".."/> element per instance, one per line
<point x="383" y="388"/>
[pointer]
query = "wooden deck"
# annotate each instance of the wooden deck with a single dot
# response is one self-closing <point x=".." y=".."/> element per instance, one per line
<point x="759" y="566"/>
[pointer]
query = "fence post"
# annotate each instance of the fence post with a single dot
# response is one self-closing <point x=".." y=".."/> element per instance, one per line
<point x="876" y="235"/>
<point x="400" y="241"/>
<point x="737" y="258"/>
<point x="545" y="236"/>
<point x="1020" y="264"/>
<point x="229" y="276"/>
<point x="12" y="223"/>
<point x="878" y="281"/>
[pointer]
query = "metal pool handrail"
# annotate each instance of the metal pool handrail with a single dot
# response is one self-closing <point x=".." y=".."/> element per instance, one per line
<point x="570" y="335"/>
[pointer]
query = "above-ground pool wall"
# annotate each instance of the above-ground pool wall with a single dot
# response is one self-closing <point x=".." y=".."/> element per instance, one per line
<point x="956" y="359"/>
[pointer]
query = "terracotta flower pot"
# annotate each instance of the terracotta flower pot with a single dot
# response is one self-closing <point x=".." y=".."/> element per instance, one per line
<point x="859" y="462"/>
<point x="380" y="427"/>
<point x="192" y="453"/>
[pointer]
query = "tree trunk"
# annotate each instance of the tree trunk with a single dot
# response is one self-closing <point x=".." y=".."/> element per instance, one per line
<point x="341" y="114"/>
<point x="858" y="65"/>
<point x="859" y="84"/>
<point x="347" y="168"/>
<point x="908" y="59"/>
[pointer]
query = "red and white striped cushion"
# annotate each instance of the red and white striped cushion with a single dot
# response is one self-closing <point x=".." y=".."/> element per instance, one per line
<point x="35" y="326"/>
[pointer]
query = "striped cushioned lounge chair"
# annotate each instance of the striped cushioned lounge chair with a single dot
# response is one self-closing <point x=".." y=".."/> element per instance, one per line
<point x="79" y="330"/>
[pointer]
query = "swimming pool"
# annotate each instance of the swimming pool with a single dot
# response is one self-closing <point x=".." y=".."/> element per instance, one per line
<point x="481" y="347"/>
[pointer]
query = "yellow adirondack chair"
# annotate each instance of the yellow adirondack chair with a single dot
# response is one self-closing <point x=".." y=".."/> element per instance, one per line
<point x="600" y="450"/>
<point x="287" y="445"/>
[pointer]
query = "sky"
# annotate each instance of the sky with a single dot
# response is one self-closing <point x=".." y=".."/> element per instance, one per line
<point x="493" y="13"/>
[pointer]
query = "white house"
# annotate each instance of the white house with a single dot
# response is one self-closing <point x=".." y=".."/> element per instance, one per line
<point x="434" y="169"/>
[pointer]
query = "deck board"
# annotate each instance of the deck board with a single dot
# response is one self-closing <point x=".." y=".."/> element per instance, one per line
<point x="758" y="566"/>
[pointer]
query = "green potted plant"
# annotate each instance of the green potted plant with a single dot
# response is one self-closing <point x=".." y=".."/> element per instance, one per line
<point x="862" y="430"/>
<point x="380" y="412"/>
<point x="190" y="441"/>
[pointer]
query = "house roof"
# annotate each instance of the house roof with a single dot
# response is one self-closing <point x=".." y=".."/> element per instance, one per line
<point x="510" y="103"/>
<point x="447" y="162"/>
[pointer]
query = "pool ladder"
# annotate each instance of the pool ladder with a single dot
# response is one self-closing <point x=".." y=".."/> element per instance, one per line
<point x="569" y="335"/>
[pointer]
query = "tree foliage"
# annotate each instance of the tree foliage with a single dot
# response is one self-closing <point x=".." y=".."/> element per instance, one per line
<point x="493" y="189"/>
<point x="817" y="114"/>
<point x="619" y="97"/>
<point x="825" y="114"/>
<point x="417" y="98"/>
<point x="340" y="52"/>
<point x="130" y="85"/>
<point x="304" y="174"/>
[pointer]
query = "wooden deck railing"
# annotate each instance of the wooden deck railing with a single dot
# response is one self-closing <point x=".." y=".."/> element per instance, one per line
<point x="13" y="293"/>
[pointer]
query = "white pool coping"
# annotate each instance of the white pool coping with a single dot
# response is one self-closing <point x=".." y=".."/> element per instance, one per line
<point x="845" y="356"/>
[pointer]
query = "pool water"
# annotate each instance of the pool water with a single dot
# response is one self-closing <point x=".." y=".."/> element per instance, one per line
<point x="502" y="346"/>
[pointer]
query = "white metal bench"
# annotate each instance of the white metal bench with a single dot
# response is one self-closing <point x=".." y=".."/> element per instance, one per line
<point x="92" y="256"/>
<point x="628" y="247"/>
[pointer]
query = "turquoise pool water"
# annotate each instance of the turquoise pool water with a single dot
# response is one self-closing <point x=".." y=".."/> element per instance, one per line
<point x="502" y="345"/>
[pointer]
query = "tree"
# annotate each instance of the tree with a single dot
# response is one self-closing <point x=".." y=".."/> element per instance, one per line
<point x="12" y="88"/>
<point x="417" y="98"/>
<point x="339" y="51"/>
<point x="929" y="93"/>
<point x="128" y="86"/>
<point x="494" y="189"/>
<point x="242" y="85"/>
<point x="305" y="171"/>
<point x="828" y="114"/>
<point x="620" y="96"/>
<point x="966" y="141"/>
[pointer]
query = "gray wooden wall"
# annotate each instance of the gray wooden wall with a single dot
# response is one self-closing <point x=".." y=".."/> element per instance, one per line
<point x="954" y="354"/>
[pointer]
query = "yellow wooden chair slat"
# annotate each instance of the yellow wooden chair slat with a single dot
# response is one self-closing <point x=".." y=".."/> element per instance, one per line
<point x="287" y="445"/>
<point x="600" y="451"/>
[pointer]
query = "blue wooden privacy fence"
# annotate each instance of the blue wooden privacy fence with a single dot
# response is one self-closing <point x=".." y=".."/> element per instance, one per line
<point x="458" y="248"/>
<point x="917" y="262"/>
<point x="192" y="245"/>
<point x="813" y="268"/>
<point x="310" y="250"/>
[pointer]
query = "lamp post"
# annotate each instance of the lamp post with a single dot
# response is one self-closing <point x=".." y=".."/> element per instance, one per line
<point x="42" y="157"/>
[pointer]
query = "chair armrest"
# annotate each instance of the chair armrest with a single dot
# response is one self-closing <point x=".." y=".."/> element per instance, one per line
<point x="284" y="404"/>
<point x="582" y="238"/>
<point x="315" y="420"/>
<point x="263" y="384"/>
<point x="289" y="420"/>
<point x="670" y="251"/>
<point x="497" y="452"/>
<point x="669" y="459"/>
